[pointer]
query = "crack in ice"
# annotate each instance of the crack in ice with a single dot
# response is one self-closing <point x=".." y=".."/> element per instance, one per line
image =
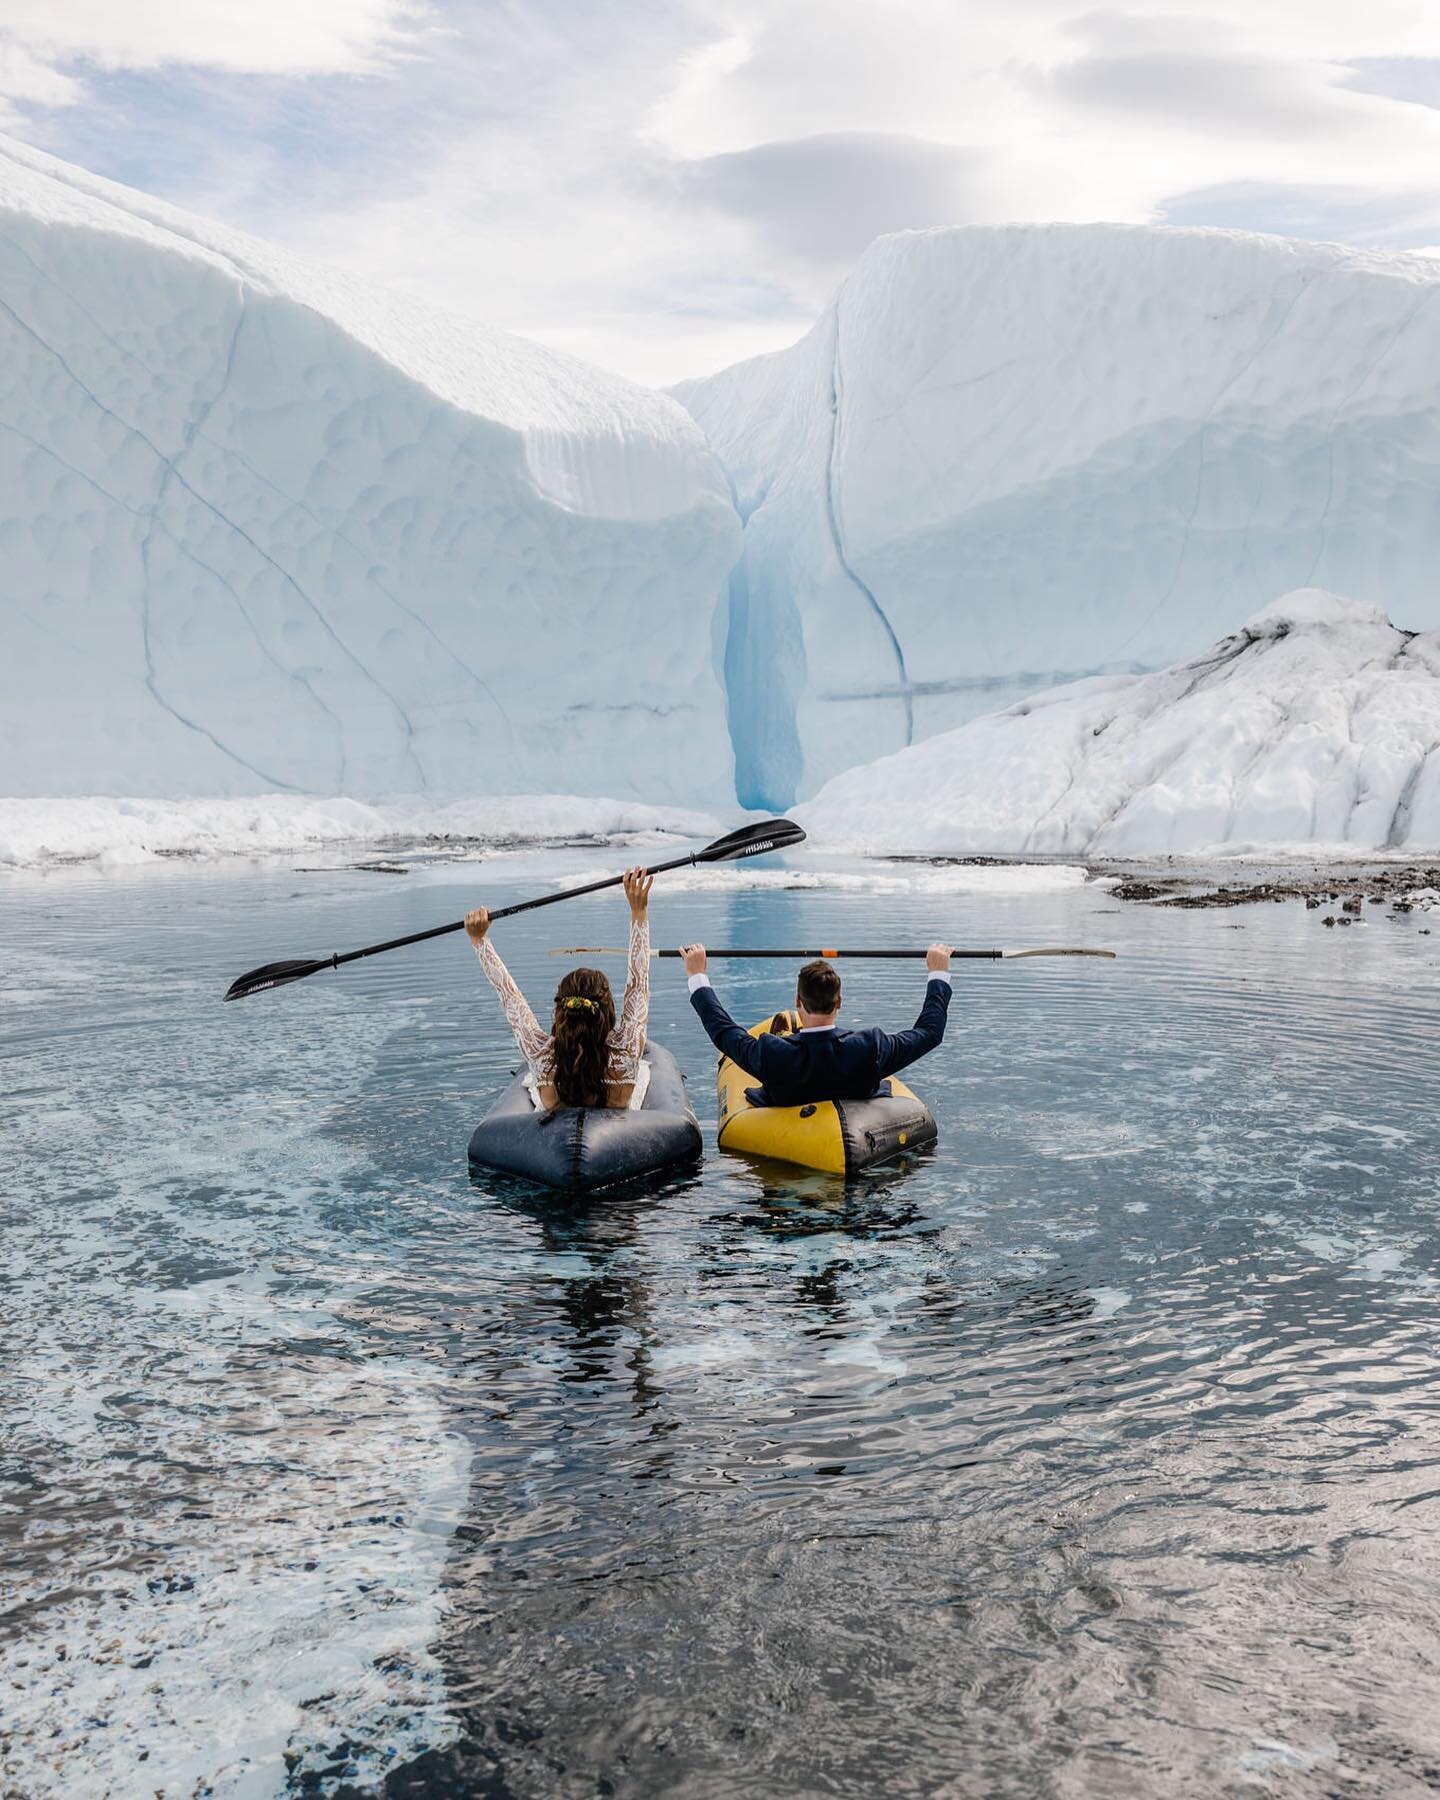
<point x="169" y="464"/>
<point x="832" y="515"/>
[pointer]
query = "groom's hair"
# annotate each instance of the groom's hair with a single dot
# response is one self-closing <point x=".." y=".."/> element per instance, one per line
<point x="818" y="989"/>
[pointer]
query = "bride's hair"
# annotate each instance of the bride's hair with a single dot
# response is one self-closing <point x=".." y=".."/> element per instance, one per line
<point x="584" y="1019"/>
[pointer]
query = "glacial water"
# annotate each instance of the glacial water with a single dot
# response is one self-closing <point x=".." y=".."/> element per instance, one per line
<point x="1098" y="1452"/>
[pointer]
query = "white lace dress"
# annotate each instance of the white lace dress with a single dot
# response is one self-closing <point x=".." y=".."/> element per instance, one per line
<point x="626" y="1041"/>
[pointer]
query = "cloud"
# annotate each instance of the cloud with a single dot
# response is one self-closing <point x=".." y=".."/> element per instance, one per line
<point x="292" y="37"/>
<point x="1393" y="219"/>
<point x="1293" y="116"/>
<point x="663" y="185"/>
<point x="28" y="80"/>
<point x="1412" y="78"/>
<point x="821" y="200"/>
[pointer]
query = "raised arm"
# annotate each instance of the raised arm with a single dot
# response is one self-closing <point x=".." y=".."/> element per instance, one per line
<point x="629" y="1036"/>
<point x="899" y="1049"/>
<point x="728" y="1038"/>
<point x="529" y="1037"/>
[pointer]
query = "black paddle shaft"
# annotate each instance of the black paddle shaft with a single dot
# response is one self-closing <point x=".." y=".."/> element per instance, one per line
<point x="503" y="912"/>
<point x="748" y="840"/>
<point x="829" y="955"/>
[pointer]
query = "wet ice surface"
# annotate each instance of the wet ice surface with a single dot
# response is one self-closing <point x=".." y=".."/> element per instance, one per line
<point x="1097" y="1452"/>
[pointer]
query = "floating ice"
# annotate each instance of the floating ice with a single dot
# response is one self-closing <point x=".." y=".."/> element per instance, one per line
<point x="873" y="878"/>
<point x="126" y="833"/>
<point x="248" y="1519"/>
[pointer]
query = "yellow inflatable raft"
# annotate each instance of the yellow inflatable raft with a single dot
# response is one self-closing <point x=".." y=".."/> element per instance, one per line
<point x="838" y="1136"/>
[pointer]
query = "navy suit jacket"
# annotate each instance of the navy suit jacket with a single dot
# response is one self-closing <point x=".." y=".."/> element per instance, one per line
<point x="824" y="1065"/>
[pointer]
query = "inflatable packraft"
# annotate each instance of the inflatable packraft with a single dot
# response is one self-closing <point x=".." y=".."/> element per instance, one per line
<point x="838" y="1136"/>
<point x="584" y="1147"/>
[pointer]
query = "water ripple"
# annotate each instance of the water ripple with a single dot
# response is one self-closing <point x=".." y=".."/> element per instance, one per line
<point x="1093" y="1453"/>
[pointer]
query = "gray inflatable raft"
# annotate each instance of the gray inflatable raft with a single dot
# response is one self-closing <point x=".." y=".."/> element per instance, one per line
<point x="579" y="1148"/>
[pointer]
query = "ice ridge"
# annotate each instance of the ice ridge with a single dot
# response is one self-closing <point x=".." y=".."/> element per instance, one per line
<point x="265" y="528"/>
<point x="1317" y="724"/>
<point x="1064" y="448"/>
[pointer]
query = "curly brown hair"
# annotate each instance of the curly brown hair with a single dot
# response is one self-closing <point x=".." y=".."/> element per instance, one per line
<point x="582" y="1037"/>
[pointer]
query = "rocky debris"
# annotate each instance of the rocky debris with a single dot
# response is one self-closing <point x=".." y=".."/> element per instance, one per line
<point x="1143" y="890"/>
<point x="1407" y="887"/>
<point x="955" y="862"/>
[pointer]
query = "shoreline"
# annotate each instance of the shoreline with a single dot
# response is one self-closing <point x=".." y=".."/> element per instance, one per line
<point x="395" y="837"/>
<point x="1407" y="882"/>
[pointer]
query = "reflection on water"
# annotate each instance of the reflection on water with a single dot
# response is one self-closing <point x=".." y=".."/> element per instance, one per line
<point x="1093" y="1452"/>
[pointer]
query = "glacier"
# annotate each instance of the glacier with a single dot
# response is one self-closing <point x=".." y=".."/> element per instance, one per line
<point x="1011" y="456"/>
<point x="286" y="558"/>
<point x="266" y="529"/>
<point x="1316" y="726"/>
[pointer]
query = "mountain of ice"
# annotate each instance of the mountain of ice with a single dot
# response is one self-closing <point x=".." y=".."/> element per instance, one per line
<point x="263" y="528"/>
<point x="1010" y="456"/>
<point x="1316" y="724"/>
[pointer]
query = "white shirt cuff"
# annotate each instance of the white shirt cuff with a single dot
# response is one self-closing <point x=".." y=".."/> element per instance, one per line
<point x="698" y="981"/>
<point x="938" y="975"/>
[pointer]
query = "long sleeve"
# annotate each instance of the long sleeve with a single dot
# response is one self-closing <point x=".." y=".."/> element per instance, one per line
<point x="727" y="1037"/>
<point x="627" y="1041"/>
<point x="897" y="1050"/>
<point x="532" y="1041"/>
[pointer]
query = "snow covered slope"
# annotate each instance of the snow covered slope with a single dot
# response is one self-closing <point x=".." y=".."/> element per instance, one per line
<point x="1317" y="724"/>
<point x="263" y="528"/>
<point x="1009" y="456"/>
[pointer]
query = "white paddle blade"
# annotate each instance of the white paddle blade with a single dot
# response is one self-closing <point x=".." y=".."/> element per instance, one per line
<point x="597" y="950"/>
<point x="1012" y="955"/>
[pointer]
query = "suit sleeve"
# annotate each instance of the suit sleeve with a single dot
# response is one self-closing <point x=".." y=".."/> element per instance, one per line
<point x="897" y="1050"/>
<point x="727" y="1037"/>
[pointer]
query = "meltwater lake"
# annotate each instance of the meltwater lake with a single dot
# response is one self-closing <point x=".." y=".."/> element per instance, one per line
<point x="1096" y="1453"/>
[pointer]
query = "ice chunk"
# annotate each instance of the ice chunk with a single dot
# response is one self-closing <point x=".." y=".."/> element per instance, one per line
<point x="121" y="833"/>
<point x="266" y="528"/>
<point x="1317" y="725"/>
<point x="1011" y="456"/>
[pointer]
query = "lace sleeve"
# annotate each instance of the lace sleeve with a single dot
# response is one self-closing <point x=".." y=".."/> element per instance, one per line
<point x="628" y="1039"/>
<point x="532" y="1041"/>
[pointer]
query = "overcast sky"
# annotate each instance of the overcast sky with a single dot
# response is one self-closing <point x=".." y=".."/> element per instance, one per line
<point x="664" y="186"/>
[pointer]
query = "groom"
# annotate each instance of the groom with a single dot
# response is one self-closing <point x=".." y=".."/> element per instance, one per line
<point x="821" y="1062"/>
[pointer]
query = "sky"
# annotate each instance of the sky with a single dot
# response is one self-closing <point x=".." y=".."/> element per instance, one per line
<point x="666" y="186"/>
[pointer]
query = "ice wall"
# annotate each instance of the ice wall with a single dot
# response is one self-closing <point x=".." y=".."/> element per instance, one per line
<point x="1317" y="725"/>
<point x="264" y="528"/>
<point x="1010" y="456"/>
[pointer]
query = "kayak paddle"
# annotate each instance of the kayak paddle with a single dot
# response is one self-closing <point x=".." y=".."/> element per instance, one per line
<point x="747" y="840"/>
<point x="831" y="955"/>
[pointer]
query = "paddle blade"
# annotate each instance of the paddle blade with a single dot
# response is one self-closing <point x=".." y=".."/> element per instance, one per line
<point x="753" y="840"/>
<point x="272" y="975"/>
<point x="1010" y="955"/>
